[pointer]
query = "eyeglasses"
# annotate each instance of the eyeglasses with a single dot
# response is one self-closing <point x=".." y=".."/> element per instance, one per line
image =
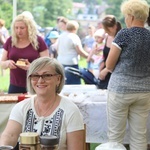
<point x="36" y="77"/>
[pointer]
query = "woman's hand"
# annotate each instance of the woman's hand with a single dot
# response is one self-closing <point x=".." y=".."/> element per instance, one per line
<point x="10" y="64"/>
<point x="103" y="74"/>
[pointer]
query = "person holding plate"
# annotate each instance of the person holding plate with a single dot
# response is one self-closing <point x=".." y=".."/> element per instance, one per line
<point x="24" y="44"/>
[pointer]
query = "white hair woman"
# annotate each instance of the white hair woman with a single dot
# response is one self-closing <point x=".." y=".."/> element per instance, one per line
<point x="129" y="85"/>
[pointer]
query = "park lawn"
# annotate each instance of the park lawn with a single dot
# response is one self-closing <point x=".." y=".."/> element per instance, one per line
<point x="4" y="80"/>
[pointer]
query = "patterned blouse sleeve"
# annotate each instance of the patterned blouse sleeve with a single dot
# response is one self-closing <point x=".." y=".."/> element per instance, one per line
<point x="122" y="38"/>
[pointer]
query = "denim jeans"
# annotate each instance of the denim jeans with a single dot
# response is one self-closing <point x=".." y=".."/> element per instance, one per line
<point x="16" y="89"/>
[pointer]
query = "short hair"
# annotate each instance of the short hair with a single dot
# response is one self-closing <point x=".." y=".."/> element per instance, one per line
<point x="2" y="22"/>
<point x="111" y="21"/>
<point x="148" y="19"/>
<point x="31" y="27"/>
<point x="58" y="18"/>
<point x="72" y="25"/>
<point x="91" y="27"/>
<point x="137" y="8"/>
<point x="40" y="63"/>
<point x="62" y="19"/>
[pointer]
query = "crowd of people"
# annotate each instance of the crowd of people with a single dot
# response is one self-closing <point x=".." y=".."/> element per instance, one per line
<point x="118" y="57"/>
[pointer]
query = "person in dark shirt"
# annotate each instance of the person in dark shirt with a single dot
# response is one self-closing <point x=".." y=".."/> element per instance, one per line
<point x="53" y="48"/>
<point x="111" y="27"/>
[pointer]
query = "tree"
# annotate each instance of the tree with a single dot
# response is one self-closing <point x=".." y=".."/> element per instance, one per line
<point x="6" y="12"/>
<point x="45" y="12"/>
<point x="114" y="9"/>
<point x="57" y="8"/>
<point x="35" y="7"/>
<point x="93" y="2"/>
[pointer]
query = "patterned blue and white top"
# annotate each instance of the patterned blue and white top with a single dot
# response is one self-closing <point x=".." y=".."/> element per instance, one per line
<point x="65" y="118"/>
<point x="132" y="71"/>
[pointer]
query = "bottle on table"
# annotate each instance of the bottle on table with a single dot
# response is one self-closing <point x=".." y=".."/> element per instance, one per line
<point x="49" y="142"/>
<point x="29" y="141"/>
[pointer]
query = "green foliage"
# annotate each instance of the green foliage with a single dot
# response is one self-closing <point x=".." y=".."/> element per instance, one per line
<point x="93" y="2"/>
<point x="78" y="1"/>
<point x="148" y="1"/>
<point x="89" y="1"/>
<point x="45" y="12"/>
<point x="6" y="12"/>
<point x="114" y="9"/>
<point x="4" y="80"/>
<point x="57" y="8"/>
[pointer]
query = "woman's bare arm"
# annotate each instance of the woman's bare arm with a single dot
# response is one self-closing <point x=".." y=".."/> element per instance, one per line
<point x="11" y="133"/>
<point x="5" y="63"/>
<point x="75" y="140"/>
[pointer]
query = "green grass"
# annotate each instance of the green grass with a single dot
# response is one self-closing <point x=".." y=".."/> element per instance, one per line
<point x="4" y="80"/>
<point x="93" y="146"/>
<point x="82" y="62"/>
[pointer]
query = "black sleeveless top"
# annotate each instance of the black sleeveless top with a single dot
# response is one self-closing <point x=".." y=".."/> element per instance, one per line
<point x="106" y="52"/>
<point x="104" y="83"/>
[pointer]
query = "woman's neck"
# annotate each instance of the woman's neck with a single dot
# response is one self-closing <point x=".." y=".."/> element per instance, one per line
<point x="137" y="23"/>
<point x="23" y="39"/>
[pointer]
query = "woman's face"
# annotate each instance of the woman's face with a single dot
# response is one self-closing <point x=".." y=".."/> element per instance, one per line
<point x="91" y="31"/>
<point x="53" y="40"/>
<point x="99" y="39"/>
<point x="111" y="31"/>
<point x="47" y="84"/>
<point x="61" y="26"/>
<point x="21" y="29"/>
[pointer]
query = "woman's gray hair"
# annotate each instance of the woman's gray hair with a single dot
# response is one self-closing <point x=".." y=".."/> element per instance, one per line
<point x="40" y="63"/>
<point x="31" y="27"/>
<point x="137" y="8"/>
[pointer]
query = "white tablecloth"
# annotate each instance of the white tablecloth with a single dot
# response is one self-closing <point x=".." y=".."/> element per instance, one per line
<point x="5" y="109"/>
<point x="92" y="104"/>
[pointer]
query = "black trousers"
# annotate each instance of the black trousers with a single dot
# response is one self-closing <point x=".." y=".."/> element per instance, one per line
<point x="16" y="89"/>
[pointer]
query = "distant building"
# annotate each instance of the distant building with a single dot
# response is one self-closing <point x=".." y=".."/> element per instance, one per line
<point x="83" y="16"/>
<point x="86" y="15"/>
<point x="78" y="7"/>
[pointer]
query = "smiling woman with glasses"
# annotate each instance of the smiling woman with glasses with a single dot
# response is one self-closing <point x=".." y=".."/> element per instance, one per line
<point x="47" y="112"/>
